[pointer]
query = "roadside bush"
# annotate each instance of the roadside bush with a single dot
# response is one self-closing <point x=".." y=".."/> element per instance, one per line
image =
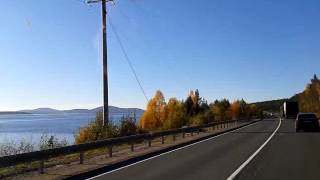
<point x="47" y="142"/>
<point x="128" y="126"/>
<point x="96" y="131"/>
<point x="25" y="146"/>
<point x="203" y="118"/>
<point x="12" y="148"/>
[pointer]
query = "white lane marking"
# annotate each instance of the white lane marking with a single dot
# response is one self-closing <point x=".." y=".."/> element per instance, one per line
<point x="243" y="165"/>
<point x="168" y="152"/>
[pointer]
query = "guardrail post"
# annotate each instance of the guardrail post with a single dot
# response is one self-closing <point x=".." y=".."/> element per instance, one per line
<point x="149" y="142"/>
<point x="110" y="151"/>
<point x="198" y="131"/>
<point x="41" y="166"/>
<point x="81" y="157"/>
<point x="132" y="147"/>
<point x="162" y="139"/>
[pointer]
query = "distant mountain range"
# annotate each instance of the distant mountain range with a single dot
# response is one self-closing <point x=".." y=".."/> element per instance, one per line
<point x="112" y="109"/>
<point x="12" y="112"/>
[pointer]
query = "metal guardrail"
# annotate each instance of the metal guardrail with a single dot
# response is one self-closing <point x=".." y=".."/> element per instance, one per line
<point x="44" y="155"/>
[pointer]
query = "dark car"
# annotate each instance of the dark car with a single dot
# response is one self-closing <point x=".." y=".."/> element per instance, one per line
<point x="307" y="122"/>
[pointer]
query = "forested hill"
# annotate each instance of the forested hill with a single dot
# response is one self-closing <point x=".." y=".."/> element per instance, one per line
<point x="271" y="106"/>
<point x="309" y="99"/>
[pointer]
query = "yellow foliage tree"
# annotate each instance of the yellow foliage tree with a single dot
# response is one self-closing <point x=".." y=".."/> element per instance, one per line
<point x="309" y="99"/>
<point x="235" y="109"/>
<point x="253" y="110"/>
<point x="175" y="114"/>
<point x="221" y="109"/>
<point x="154" y="115"/>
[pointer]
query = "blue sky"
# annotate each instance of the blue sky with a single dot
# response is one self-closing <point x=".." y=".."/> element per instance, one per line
<point x="252" y="49"/>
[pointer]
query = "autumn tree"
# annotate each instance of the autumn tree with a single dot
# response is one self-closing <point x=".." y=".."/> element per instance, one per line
<point x="175" y="114"/>
<point x="195" y="104"/>
<point x="221" y="109"/>
<point x="194" y="110"/>
<point x="154" y="115"/>
<point x="196" y="101"/>
<point x="188" y="104"/>
<point x="244" y="109"/>
<point x="235" y="109"/>
<point x="240" y="109"/>
<point x="253" y="111"/>
<point x="309" y="99"/>
<point x="204" y="107"/>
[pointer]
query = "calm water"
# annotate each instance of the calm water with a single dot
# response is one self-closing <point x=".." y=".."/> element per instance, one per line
<point x="30" y="127"/>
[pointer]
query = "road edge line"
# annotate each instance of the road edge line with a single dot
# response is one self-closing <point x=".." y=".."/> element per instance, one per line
<point x="243" y="165"/>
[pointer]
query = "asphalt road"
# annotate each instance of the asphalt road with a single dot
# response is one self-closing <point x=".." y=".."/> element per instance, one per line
<point x="215" y="158"/>
<point x="289" y="155"/>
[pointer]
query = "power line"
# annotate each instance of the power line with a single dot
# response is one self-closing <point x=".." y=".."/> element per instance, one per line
<point x="127" y="58"/>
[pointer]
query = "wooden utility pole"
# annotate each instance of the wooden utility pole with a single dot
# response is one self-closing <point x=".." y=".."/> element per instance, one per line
<point x="104" y="58"/>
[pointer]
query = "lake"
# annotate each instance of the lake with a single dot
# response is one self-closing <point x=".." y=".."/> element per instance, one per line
<point x="30" y="127"/>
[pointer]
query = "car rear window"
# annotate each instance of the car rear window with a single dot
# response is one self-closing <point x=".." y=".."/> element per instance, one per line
<point x="307" y="116"/>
